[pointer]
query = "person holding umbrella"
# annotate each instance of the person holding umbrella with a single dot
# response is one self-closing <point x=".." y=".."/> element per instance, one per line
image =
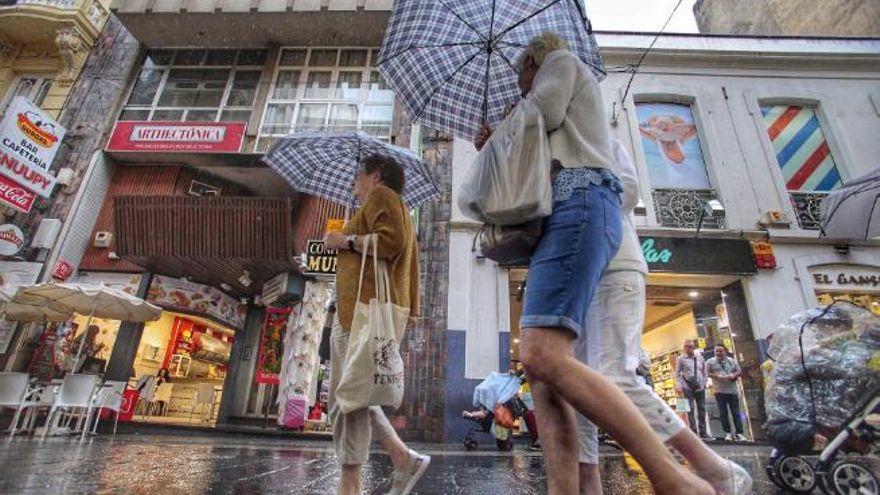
<point x="580" y="237"/>
<point x="378" y="186"/>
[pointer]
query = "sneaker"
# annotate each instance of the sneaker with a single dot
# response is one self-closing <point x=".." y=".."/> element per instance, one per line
<point x="728" y="437"/>
<point x="535" y="447"/>
<point x="739" y="482"/>
<point x="741" y="438"/>
<point x="403" y="483"/>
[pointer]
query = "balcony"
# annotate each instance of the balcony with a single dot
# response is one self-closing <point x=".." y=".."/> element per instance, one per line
<point x="254" y="23"/>
<point x="49" y="22"/>
<point x="682" y="208"/>
<point x="212" y="240"/>
<point x="807" y="207"/>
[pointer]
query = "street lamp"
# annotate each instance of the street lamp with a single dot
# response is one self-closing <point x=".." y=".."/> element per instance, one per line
<point x="710" y="209"/>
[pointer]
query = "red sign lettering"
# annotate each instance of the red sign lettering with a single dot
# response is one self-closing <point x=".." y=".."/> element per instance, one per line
<point x="15" y="195"/>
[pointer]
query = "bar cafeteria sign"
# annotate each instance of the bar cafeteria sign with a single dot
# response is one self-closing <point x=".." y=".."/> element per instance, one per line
<point x="29" y="141"/>
<point x="171" y="137"/>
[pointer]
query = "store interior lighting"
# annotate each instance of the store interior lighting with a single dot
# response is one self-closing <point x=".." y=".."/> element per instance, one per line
<point x="245" y="279"/>
<point x="693" y="293"/>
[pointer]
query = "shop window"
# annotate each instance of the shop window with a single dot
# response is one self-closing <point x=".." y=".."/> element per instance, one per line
<point x="680" y="184"/>
<point x="803" y="156"/>
<point x="327" y="89"/>
<point x="196" y="86"/>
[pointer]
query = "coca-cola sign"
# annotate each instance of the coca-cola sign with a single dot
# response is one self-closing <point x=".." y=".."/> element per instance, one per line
<point x="16" y="195"/>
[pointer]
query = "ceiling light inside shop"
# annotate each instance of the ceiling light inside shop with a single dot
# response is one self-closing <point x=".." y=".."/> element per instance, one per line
<point x="516" y="341"/>
<point x="693" y="293"/>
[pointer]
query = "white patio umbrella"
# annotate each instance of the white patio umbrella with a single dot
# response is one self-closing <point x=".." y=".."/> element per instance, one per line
<point x="24" y="312"/>
<point x="853" y="212"/>
<point x="95" y="301"/>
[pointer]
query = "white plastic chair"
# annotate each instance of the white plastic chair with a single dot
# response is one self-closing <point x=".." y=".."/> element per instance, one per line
<point x="76" y="392"/>
<point x="15" y="393"/>
<point x="147" y="396"/>
<point x="110" y="397"/>
<point x="204" y="397"/>
<point x="43" y="398"/>
<point x="161" y="397"/>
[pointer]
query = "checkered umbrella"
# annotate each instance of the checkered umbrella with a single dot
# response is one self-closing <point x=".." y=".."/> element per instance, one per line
<point x="324" y="164"/>
<point x="451" y="62"/>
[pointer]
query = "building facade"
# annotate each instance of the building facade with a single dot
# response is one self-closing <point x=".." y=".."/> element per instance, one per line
<point x="736" y="141"/>
<point x="857" y="18"/>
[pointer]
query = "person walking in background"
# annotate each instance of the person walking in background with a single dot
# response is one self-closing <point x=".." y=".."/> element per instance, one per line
<point x="690" y="381"/>
<point x="378" y="186"/>
<point x="612" y="345"/>
<point x="580" y="237"/>
<point x="724" y="372"/>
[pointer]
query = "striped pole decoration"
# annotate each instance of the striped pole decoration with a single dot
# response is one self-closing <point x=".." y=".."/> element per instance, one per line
<point x="801" y="149"/>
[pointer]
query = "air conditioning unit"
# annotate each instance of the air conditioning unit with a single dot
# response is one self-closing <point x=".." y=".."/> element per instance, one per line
<point x="47" y="233"/>
<point x="103" y="239"/>
<point x="775" y="218"/>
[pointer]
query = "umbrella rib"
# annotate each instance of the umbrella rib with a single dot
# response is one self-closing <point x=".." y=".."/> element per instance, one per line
<point x="460" y="18"/>
<point x="526" y="19"/>
<point x="419" y="47"/>
<point x="419" y="113"/>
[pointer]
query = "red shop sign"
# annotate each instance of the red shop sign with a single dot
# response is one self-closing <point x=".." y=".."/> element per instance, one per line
<point x="63" y="270"/>
<point x="171" y="137"/>
<point x="16" y="195"/>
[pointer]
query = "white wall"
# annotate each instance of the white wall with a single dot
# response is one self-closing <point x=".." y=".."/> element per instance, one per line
<point x="670" y="336"/>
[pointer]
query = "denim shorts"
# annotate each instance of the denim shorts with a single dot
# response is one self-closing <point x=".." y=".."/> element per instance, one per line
<point x="580" y="238"/>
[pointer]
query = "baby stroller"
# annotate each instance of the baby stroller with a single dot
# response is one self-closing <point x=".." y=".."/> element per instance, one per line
<point x="825" y="386"/>
<point x="496" y="389"/>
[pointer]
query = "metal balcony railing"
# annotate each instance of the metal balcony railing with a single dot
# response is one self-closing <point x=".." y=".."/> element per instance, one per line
<point x="807" y="208"/>
<point x="682" y="208"/>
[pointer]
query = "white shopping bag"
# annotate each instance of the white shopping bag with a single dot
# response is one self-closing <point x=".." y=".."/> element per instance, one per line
<point x="373" y="372"/>
<point x="509" y="182"/>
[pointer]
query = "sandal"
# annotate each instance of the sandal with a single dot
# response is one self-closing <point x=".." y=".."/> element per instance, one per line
<point x="404" y="482"/>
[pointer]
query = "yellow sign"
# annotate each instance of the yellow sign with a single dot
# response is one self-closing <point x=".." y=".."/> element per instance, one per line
<point x="335" y="225"/>
<point x="701" y="343"/>
<point x="762" y="248"/>
<point x="728" y="344"/>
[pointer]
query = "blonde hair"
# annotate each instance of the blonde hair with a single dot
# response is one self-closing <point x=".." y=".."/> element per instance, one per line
<point x="539" y="47"/>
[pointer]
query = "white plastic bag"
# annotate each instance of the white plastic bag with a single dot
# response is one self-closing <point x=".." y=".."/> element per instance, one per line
<point x="509" y="182"/>
<point x="373" y="372"/>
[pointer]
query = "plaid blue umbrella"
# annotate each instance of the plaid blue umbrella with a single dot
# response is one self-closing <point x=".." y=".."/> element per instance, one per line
<point x="451" y="62"/>
<point x="324" y="165"/>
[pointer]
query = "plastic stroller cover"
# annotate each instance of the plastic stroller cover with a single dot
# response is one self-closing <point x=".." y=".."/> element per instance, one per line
<point x="840" y="359"/>
<point x="497" y="388"/>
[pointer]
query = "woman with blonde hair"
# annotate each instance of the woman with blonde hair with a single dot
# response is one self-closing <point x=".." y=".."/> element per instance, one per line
<point x="580" y="237"/>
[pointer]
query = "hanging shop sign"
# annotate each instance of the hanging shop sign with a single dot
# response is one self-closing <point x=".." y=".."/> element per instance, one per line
<point x="15" y="274"/>
<point x="172" y="137"/>
<point x="62" y="271"/>
<point x="846" y="278"/>
<point x="29" y="141"/>
<point x="334" y="225"/>
<point x="11" y="239"/>
<point x="706" y="256"/>
<point x="272" y="345"/>
<point x="126" y="282"/>
<point x="764" y="257"/>
<point x="190" y="297"/>
<point x="15" y="195"/>
<point x="320" y="261"/>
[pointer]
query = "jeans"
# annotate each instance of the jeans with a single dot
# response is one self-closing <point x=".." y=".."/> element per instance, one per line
<point x="698" y="424"/>
<point x="729" y="403"/>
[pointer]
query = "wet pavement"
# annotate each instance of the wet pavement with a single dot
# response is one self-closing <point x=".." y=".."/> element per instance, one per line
<point x="159" y="464"/>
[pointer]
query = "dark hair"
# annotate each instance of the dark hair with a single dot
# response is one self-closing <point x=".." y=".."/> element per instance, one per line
<point x="721" y="346"/>
<point x="390" y="172"/>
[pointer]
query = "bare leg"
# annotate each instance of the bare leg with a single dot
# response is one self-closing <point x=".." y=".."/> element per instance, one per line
<point x="397" y="451"/>
<point x="350" y="481"/>
<point x="547" y="353"/>
<point x="556" y="422"/>
<point x="590" y="479"/>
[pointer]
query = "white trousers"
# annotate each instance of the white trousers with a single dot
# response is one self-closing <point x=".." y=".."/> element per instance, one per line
<point x="610" y="345"/>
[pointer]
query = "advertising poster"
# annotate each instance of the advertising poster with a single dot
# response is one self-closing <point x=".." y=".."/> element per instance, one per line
<point x="272" y="345"/>
<point x="672" y="148"/>
<point x="190" y="297"/>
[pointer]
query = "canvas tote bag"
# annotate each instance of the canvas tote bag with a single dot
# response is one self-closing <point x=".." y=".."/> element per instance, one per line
<point x="373" y="373"/>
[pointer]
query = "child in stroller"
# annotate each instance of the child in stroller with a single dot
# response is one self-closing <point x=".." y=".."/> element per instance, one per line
<point x="823" y="397"/>
<point x="496" y="395"/>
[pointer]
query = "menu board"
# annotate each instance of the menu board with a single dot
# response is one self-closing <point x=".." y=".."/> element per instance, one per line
<point x="190" y="297"/>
